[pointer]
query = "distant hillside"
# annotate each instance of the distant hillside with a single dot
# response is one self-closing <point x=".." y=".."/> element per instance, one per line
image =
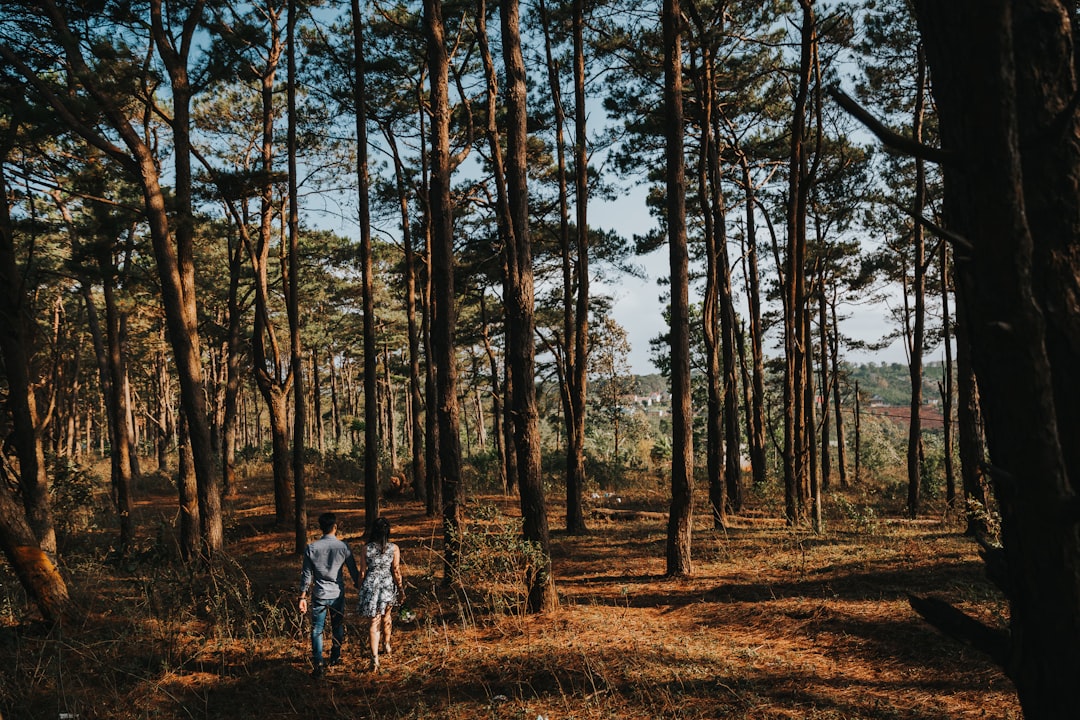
<point x="889" y="383"/>
<point x="884" y="383"/>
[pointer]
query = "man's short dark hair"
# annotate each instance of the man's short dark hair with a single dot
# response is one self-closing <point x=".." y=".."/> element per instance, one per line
<point x="327" y="521"/>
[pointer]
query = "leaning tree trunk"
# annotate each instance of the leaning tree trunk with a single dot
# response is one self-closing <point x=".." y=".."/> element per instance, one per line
<point x="1005" y="82"/>
<point x="16" y="333"/>
<point x="31" y="564"/>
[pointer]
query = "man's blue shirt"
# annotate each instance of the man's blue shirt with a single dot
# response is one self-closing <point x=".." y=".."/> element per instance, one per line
<point x="324" y="562"/>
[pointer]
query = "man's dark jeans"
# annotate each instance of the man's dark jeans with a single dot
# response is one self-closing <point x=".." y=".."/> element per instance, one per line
<point x="319" y="610"/>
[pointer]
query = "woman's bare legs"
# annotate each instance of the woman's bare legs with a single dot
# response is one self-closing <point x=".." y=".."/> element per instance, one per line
<point x="387" y="628"/>
<point x="374" y="633"/>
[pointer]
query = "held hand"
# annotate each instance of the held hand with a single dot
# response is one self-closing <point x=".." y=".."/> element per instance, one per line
<point x="303" y="604"/>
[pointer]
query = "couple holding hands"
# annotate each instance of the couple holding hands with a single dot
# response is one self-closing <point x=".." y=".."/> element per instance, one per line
<point x="378" y="579"/>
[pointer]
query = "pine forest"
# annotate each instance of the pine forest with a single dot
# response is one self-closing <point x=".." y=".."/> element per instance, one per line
<point x="695" y="359"/>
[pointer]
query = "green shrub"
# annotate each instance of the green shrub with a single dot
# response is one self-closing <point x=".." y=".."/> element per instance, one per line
<point x="75" y="497"/>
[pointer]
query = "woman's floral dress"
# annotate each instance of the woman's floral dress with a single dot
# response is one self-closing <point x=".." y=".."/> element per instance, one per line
<point x="377" y="592"/>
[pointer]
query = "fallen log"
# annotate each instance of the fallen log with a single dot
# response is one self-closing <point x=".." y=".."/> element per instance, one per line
<point x="617" y="514"/>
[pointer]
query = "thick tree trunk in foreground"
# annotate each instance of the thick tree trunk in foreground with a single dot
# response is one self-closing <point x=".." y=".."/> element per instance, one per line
<point x="16" y="341"/>
<point x="31" y="564"/>
<point x="1005" y="83"/>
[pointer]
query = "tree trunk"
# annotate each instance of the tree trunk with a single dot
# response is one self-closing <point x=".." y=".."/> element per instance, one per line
<point x="915" y="348"/>
<point x="317" y="411"/>
<point x="1005" y="83"/>
<point x="176" y="265"/>
<point x="796" y="341"/>
<point x="578" y="369"/>
<point x="712" y="220"/>
<point x="838" y="406"/>
<point x="416" y="423"/>
<point x="292" y="296"/>
<point x="970" y="441"/>
<point x="117" y="403"/>
<point x="188" y="493"/>
<point x="946" y="387"/>
<point x="680" y="518"/>
<point x="371" y="380"/>
<point x="520" y="344"/>
<point x="569" y="361"/>
<point x="444" y="318"/>
<point x="756" y="429"/>
<point x="826" y="380"/>
<point x="497" y="413"/>
<point x="31" y="564"/>
<point x="232" y="370"/>
<point x="16" y="344"/>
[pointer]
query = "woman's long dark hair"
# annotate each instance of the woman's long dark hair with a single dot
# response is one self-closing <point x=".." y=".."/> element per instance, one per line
<point x="379" y="533"/>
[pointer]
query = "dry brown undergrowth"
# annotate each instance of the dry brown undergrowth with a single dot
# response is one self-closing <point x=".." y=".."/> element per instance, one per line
<point x="775" y="623"/>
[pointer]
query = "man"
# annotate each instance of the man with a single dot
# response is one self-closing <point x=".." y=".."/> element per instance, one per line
<point x="323" y="575"/>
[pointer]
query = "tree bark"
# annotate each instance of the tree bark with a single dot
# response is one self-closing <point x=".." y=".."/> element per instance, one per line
<point x="680" y="520"/>
<point x="31" y="564"/>
<point x="117" y="404"/>
<point x="578" y="368"/>
<point x="16" y="343"/>
<point x="1005" y="84"/>
<point x="232" y="370"/>
<point x="838" y="405"/>
<point x="444" y="317"/>
<point x="915" y="348"/>
<point x="712" y="220"/>
<point x="520" y="342"/>
<point x="756" y="429"/>
<point x="371" y="405"/>
<point x="796" y="341"/>
<point x="292" y="295"/>
<point x="188" y="494"/>
<point x="569" y="361"/>
<point x="416" y="423"/>
<point x="176" y="264"/>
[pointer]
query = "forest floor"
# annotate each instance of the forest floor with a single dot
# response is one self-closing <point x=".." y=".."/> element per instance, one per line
<point x="774" y="623"/>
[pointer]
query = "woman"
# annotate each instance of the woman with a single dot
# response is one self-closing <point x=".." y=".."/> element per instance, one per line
<point x="380" y="588"/>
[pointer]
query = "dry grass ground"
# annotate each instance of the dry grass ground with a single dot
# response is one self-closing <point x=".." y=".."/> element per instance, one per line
<point x="774" y="623"/>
